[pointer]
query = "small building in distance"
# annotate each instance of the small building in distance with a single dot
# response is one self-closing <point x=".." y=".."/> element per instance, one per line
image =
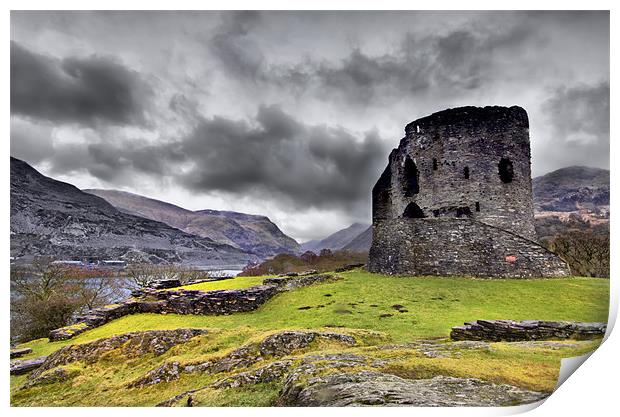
<point x="456" y="199"/>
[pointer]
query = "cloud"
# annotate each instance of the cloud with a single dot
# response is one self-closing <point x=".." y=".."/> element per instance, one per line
<point x="75" y="90"/>
<point x="454" y="62"/>
<point x="579" y="120"/>
<point x="30" y="141"/>
<point x="273" y="157"/>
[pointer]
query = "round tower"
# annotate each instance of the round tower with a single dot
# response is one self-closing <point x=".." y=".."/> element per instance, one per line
<point x="469" y="164"/>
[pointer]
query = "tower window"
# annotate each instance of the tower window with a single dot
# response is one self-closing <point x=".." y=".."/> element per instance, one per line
<point x="413" y="211"/>
<point x="466" y="173"/>
<point x="434" y="164"/>
<point x="412" y="177"/>
<point x="477" y="206"/>
<point x="506" y="171"/>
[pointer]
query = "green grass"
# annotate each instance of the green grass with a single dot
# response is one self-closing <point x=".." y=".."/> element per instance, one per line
<point x="352" y="305"/>
<point x="226" y="284"/>
<point x="434" y="305"/>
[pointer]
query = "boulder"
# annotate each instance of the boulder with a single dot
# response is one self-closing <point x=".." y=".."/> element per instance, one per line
<point x="18" y="353"/>
<point x="20" y="367"/>
<point x="367" y="388"/>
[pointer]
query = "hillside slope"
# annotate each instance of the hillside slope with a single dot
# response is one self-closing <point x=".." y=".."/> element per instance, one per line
<point x="53" y="218"/>
<point x="336" y="240"/>
<point x="361" y="243"/>
<point x="572" y="189"/>
<point x="251" y="233"/>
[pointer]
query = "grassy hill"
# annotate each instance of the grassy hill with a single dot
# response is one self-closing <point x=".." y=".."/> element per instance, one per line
<point x="389" y="317"/>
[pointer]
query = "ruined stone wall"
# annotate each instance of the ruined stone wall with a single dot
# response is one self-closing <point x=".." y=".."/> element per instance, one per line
<point x="461" y="247"/>
<point x="184" y="301"/>
<point x="514" y="331"/>
<point x="448" y="165"/>
<point x="456" y="199"/>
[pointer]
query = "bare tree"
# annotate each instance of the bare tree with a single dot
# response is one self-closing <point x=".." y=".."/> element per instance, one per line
<point x="45" y="296"/>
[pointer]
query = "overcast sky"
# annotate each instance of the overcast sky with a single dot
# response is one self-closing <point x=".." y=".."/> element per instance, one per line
<point x="289" y="114"/>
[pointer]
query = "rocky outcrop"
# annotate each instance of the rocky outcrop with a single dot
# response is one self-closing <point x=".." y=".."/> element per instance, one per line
<point x="130" y="345"/>
<point x="366" y="388"/>
<point x="511" y="331"/>
<point x="268" y="373"/>
<point x="283" y="343"/>
<point x="184" y="301"/>
<point x="18" y="353"/>
<point x="273" y="346"/>
<point x="20" y="367"/>
<point x="50" y="377"/>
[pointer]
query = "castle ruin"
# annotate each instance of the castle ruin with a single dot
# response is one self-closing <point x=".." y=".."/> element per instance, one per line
<point x="456" y="199"/>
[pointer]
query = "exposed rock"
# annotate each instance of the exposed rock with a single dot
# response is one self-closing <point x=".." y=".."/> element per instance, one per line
<point x="283" y="343"/>
<point x="169" y="371"/>
<point x="20" y="367"/>
<point x="374" y="388"/>
<point x="130" y="345"/>
<point x="49" y="377"/>
<point x="184" y="301"/>
<point x="432" y="349"/>
<point x="18" y="353"/>
<point x="268" y="373"/>
<point x="275" y="345"/>
<point x="509" y="330"/>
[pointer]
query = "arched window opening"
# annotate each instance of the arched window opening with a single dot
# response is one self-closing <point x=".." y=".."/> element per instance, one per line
<point x="412" y="176"/>
<point x="477" y="206"/>
<point x="466" y="173"/>
<point x="434" y="164"/>
<point x="506" y="171"/>
<point x="413" y="211"/>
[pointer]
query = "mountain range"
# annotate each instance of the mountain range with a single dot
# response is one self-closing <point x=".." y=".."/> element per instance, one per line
<point x="53" y="218"/>
<point x="336" y="240"/>
<point x="251" y="233"/>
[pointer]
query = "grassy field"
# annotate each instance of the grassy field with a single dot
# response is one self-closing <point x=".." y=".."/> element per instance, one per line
<point x="226" y="284"/>
<point x="365" y="301"/>
<point x="390" y="317"/>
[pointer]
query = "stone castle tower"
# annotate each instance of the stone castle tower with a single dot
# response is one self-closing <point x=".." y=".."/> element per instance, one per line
<point x="456" y="199"/>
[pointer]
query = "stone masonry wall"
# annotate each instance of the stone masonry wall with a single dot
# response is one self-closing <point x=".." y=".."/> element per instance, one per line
<point x="514" y="331"/>
<point x="462" y="247"/>
<point x="184" y="301"/>
<point x="456" y="199"/>
<point x="444" y="145"/>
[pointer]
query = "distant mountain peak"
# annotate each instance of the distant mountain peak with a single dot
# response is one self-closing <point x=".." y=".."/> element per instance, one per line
<point x="337" y="240"/>
<point x="53" y="218"/>
<point x="252" y="233"/>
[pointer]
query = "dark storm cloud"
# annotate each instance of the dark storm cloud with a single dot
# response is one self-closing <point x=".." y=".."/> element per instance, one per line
<point x="274" y="156"/>
<point x="579" y="117"/>
<point x="75" y="90"/>
<point x="312" y="166"/>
